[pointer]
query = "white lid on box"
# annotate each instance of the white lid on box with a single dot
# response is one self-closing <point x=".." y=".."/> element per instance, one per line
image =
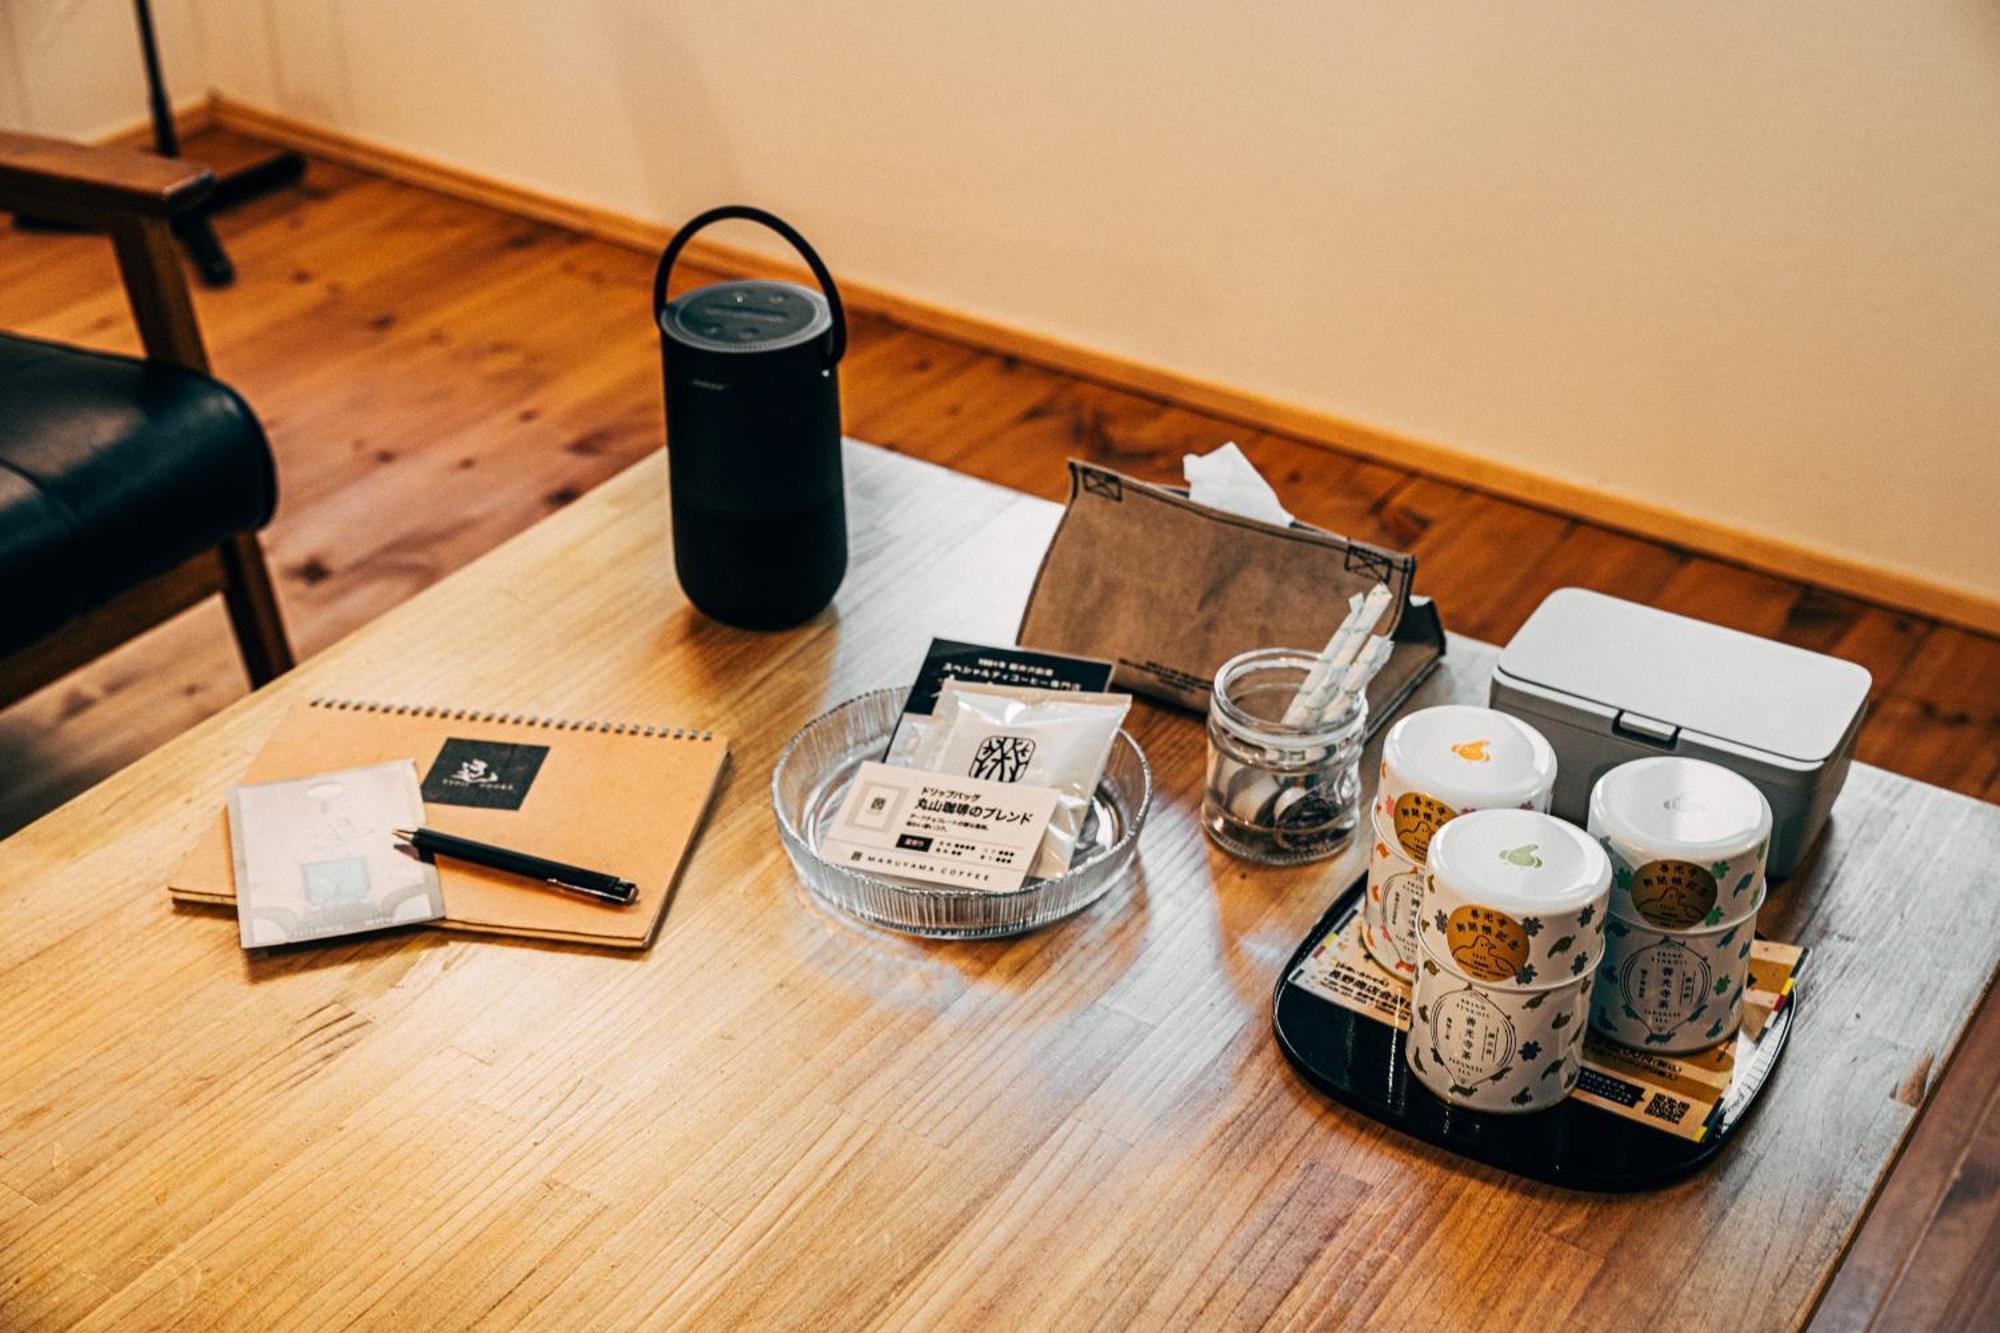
<point x="1470" y="758"/>
<point x="1687" y="808"/>
<point x="1736" y="687"/>
<point x="1519" y="861"/>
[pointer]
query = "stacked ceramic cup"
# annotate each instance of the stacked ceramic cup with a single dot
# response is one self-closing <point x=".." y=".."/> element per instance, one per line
<point x="1509" y="937"/>
<point x="1437" y="764"/>
<point x="1687" y="842"/>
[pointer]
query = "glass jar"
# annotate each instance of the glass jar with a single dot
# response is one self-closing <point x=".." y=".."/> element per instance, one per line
<point x="1279" y="793"/>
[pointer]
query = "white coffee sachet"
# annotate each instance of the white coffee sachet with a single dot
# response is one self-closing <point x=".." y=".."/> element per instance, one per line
<point x="1044" y="738"/>
<point x="1224" y="479"/>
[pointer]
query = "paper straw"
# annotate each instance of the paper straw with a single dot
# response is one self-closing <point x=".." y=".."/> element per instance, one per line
<point x="1322" y="667"/>
<point x="1362" y="670"/>
<point x="1340" y="652"/>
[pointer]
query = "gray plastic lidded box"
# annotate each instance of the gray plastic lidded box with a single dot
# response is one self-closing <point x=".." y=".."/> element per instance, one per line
<point x="1608" y="680"/>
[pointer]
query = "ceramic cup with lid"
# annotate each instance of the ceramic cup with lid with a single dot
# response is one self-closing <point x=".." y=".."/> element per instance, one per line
<point x="1389" y="908"/>
<point x="1487" y="1047"/>
<point x="1673" y="991"/>
<point x="1439" y="763"/>
<point x="1687" y="841"/>
<point x="1515" y="897"/>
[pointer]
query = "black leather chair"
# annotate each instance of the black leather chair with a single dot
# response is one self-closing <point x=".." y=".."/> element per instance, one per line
<point x="129" y="489"/>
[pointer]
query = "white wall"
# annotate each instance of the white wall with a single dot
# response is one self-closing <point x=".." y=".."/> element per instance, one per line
<point x="1737" y="258"/>
<point x="71" y="68"/>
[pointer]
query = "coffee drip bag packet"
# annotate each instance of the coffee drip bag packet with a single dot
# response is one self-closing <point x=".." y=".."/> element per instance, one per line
<point x="1044" y="738"/>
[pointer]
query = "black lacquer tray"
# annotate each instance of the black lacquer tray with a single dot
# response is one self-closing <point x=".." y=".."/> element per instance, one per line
<point x="1358" y="1062"/>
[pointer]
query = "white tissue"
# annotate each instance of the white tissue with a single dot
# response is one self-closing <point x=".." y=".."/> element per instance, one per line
<point x="1226" y="480"/>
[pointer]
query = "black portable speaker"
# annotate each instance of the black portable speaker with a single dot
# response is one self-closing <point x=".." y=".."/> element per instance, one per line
<point x="753" y="437"/>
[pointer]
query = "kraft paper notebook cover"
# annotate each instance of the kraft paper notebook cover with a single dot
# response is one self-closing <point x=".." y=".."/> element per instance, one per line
<point x="610" y="796"/>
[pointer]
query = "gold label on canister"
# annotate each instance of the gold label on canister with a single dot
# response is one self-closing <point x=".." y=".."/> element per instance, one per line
<point x="1489" y="945"/>
<point x="1418" y="818"/>
<point x="1673" y="894"/>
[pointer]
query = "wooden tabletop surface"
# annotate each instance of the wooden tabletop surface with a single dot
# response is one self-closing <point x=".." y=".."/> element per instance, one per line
<point x="776" y="1117"/>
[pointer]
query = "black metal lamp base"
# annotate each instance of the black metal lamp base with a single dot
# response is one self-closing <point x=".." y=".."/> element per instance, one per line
<point x="197" y="234"/>
<point x="194" y="229"/>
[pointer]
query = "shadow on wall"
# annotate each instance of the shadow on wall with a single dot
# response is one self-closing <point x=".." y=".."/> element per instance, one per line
<point x="660" y="86"/>
<point x="693" y="155"/>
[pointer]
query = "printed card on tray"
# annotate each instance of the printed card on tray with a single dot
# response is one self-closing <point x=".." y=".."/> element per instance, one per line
<point x="962" y="832"/>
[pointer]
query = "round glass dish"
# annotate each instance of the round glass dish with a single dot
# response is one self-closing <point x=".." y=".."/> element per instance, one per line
<point x="811" y="780"/>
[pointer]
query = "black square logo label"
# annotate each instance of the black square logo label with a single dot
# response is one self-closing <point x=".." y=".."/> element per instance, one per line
<point x="1002" y="758"/>
<point x="495" y="775"/>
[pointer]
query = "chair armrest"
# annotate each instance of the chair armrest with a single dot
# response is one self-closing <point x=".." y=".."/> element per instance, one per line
<point x="71" y="182"/>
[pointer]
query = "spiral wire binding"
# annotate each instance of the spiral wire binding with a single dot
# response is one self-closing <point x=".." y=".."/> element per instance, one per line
<point x="341" y="705"/>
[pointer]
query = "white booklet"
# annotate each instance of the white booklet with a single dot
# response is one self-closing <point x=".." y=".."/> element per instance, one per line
<point x="318" y="857"/>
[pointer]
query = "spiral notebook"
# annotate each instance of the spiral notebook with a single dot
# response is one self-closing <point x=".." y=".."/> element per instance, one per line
<point x="612" y="796"/>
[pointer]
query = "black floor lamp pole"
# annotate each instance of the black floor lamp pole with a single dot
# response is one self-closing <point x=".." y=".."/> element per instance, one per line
<point x="193" y="228"/>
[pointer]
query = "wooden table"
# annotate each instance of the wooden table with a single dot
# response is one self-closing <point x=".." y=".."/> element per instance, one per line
<point x="777" y="1117"/>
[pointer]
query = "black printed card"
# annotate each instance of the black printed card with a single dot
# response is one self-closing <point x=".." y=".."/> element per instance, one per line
<point x="950" y="660"/>
<point x="983" y="664"/>
<point x="494" y="775"/>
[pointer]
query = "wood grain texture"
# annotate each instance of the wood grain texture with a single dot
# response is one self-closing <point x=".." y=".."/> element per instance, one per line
<point x="156" y="286"/>
<point x="85" y="183"/>
<point x="780" y="1118"/>
<point x="1946" y="1189"/>
<point x="399" y="344"/>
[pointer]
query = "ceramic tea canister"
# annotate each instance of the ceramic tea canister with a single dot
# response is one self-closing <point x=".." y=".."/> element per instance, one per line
<point x="1442" y="762"/>
<point x="1437" y="764"/>
<point x="1687" y="842"/>
<point x="1673" y="991"/>
<point x="1486" y="1047"/>
<point x="1510" y="930"/>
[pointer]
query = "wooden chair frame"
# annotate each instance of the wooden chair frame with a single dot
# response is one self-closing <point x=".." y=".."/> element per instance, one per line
<point x="134" y="197"/>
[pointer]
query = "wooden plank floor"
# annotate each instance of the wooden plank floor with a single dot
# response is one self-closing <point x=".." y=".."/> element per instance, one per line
<point x="436" y="376"/>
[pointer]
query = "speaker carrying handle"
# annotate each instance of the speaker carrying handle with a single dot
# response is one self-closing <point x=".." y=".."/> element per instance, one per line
<point x="784" y="229"/>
